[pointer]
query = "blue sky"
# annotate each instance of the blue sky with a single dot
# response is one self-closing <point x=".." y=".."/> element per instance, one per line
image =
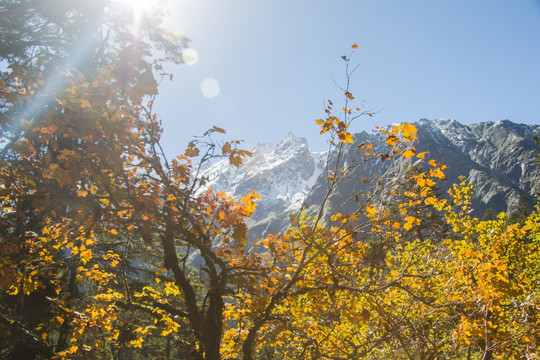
<point x="274" y="61"/>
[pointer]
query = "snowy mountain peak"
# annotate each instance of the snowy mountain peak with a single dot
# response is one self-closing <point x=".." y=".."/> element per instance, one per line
<point x="282" y="174"/>
<point x="497" y="158"/>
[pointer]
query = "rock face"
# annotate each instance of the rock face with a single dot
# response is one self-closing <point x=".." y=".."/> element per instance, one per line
<point x="498" y="158"/>
<point x="283" y="175"/>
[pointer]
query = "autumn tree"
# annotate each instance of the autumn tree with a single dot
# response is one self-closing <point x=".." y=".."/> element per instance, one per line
<point x="445" y="286"/>
<point x="107" y="246"/>
<point x="73" y="100"/>
<point x="110" y="250"/>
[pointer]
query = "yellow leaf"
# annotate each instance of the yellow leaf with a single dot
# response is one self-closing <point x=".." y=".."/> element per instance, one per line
<point x="335" y="217"/>
<point x="345" y="137"/>
<point x="408" y="130"/>
<point x="137" y="343"/>
<point x="410" y="221"/>
<point x="392" y="140"/>
<point x="319" y="121"/>
<point x="371" y="210"/>
<point x="408" y="153"/>
<point x="86" y="255"/>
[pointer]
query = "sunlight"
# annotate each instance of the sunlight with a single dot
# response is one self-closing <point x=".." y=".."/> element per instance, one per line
<point x="190" y="56"/>
<point x="139" y="7"/>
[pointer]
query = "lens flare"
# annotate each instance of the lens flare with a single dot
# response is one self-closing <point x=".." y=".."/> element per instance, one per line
<point x="190" y="56"/>
<point x="210" y="88"/>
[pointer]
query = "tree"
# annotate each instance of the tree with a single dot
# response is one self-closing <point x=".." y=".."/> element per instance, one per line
<point x="522" y="211"/>
<point x="110" y="250"/>
<point x="445" y="286"/>
<point x="68" y="142"/>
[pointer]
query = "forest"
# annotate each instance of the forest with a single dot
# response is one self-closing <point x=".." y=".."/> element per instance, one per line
<point x="111" y="250"/>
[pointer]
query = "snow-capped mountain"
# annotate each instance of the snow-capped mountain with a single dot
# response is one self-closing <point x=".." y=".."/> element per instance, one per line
<point x="282" y="174"/>
<point x="498" y="158"/>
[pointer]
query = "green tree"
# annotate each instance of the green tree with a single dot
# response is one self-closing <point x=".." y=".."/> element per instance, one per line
<point x="522" y="212"/>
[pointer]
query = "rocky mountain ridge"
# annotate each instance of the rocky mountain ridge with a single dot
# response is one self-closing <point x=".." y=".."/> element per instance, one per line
<point x="498" y="158"/>
<point x="282" y="174"/>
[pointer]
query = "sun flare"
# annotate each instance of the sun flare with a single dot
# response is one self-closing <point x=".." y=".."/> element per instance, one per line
<point x="138" y="7"/>
<point x="190" y="56"/>
<point x="210" y="88"/>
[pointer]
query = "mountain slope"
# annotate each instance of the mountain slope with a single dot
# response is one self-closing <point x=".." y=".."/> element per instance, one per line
<point x="498" y="158"/>
<point x="283" y="175"/>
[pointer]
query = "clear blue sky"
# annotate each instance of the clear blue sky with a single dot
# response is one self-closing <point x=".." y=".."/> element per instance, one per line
<point x="470" y="60"/>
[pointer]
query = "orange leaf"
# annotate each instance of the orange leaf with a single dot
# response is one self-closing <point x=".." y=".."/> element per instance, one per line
<point x="354" y="46"/>
<point x="235" y="160"/>
<point x="226" y="149"/>
<point x="293" y="219"/>
<point x="192" y="151"/>
<point x="82" y="193"/>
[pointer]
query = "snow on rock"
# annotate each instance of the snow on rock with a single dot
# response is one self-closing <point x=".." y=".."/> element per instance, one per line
<point x="497" y="158"/>
<point x="282" y="174"/>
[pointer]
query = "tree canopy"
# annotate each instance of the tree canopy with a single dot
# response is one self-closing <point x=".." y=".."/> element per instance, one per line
<point x="111" y="250"/>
